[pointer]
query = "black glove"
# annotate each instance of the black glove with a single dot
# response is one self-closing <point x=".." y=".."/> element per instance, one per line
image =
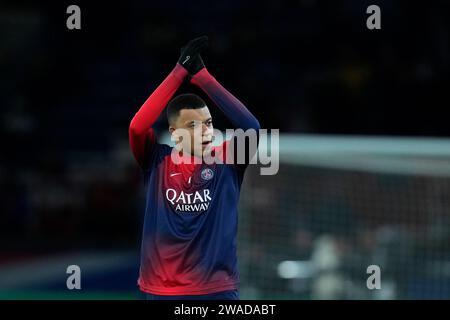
<point x="190" y="55"/>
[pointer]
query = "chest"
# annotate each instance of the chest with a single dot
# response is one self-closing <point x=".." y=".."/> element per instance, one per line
<point x="189" y="177"/>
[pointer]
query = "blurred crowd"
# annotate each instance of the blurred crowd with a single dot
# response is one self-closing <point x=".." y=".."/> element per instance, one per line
<point x="331" y="225"/>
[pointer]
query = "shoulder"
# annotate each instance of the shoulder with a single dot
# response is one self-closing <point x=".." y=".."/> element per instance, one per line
<point x="160" y="152"/>
<point x="226" y="154"/>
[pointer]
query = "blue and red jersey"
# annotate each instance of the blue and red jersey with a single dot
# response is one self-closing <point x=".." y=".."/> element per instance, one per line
<point x="191" y="217"/>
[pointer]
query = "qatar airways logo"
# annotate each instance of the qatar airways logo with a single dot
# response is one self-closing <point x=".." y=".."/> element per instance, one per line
<point x="189" y="202"/>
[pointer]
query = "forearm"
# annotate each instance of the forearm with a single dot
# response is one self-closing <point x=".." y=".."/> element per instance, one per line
<point x="233" y="109"/>
<point x="155" y="104"/>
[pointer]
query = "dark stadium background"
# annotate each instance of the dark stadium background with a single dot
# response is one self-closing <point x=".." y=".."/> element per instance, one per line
<point x="67" y="179"/>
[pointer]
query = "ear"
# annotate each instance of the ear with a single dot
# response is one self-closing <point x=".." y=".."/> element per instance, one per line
<point x="174" y="134"/>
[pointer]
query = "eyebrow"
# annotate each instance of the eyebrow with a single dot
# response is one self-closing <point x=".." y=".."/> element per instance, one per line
<point x="193" y="121"/>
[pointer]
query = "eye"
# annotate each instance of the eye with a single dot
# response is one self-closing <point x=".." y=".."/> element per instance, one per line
<point x="209" y="123"/>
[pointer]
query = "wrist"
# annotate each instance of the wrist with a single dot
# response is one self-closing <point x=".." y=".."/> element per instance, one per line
<point x="179" y="71"/>
<point x="201" y="77"/>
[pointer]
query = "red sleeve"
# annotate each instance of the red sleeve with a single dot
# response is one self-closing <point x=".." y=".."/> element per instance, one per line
<point x="235" y="111"/>
<point x="141" y="134"/>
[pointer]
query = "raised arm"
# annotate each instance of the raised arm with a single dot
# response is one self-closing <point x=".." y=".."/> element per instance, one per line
<point x="141" y="134"/>
<point x="236" y="112"/>
<point x="233" y="109"/>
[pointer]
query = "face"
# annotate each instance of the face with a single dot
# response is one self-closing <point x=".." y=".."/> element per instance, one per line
<point x="198" y="123"/>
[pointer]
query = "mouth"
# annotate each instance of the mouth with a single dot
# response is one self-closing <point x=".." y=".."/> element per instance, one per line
<point x="206" y="143"/>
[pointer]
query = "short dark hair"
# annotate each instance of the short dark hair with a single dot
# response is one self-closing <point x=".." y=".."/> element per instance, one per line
<point x="183" y="101"/>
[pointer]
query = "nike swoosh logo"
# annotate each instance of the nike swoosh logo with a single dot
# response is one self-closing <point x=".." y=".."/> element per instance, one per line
<point x="186" y="60"/>
<point x="174" y="174"/>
